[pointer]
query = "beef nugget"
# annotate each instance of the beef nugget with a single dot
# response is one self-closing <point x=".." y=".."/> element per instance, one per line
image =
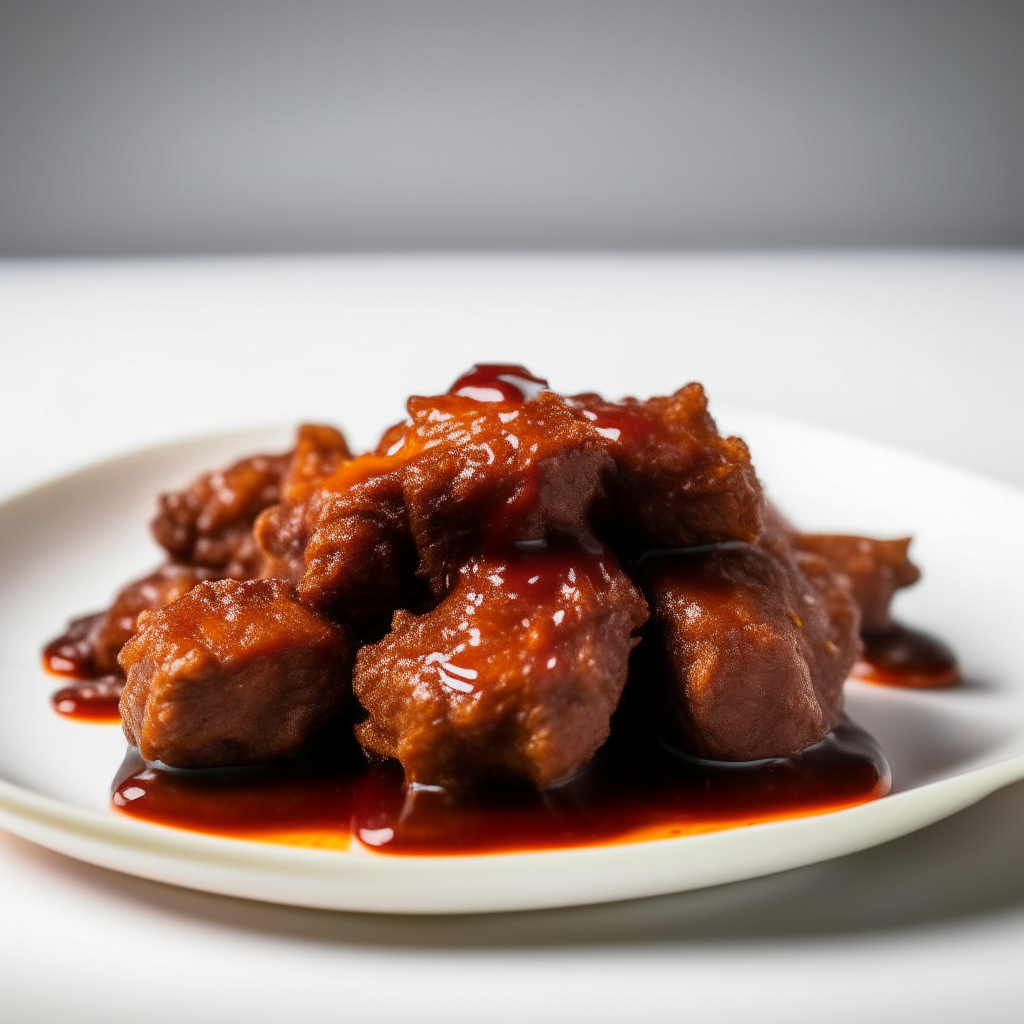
<point x="754" y="648"/>
<point x="209" y="523"/>
<point x="677" y="481"/>
<point x="876" y="569"/>
<point x="512" y="677"/>
<point x="481" y="473"/>
<point x="281" y="531"/>
<point x="359" y="562"/>
<point x="233" y="673"/>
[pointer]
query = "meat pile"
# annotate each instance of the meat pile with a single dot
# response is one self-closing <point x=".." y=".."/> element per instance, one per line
<point x="468" y="596"/>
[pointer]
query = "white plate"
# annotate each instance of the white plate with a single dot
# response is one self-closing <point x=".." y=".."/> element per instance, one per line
<point x="66" y="547"/>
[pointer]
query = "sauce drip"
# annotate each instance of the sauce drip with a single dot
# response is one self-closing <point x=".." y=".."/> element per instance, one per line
<point x="95" y="695"/>
<point x="498" y="382"/>
<point x="634" y="790"/>
<point x="620" y="423"/>
<point x="901" y="656"/>
<point x="70" y="654"/>
<point x="540" y="569"/>
<point x="92" y="700"/>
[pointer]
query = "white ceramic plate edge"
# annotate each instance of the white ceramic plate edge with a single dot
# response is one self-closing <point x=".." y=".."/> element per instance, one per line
<point x="366" y="881"/>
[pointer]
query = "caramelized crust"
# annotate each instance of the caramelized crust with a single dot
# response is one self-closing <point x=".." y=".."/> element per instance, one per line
<point x="754" y="649"/>
<point x="319" y="451"/>
<point x="233" y="673"/>
<point x="514" y="676"/>
<point x="677" y="481"/>
<point x="492" y="473"/>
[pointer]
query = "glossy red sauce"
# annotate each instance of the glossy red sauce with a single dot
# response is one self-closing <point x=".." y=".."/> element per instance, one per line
<point x="901" y="656"/>
<point x="70" y="654"/>
<point x="621" y="424"/>
<point x="91" y="700"/>
<point x="633" y="791"/>
<point x="539" y="569"/>
<point x="498" y="382"/>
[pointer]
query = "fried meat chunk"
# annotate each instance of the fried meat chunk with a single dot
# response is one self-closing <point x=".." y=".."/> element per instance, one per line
<point x="151" y="593"/>
<point x="487" y="473"/>
<point x="319" y="451"/>
<point x="359" y="562"/>
<point x="281" y="531"/>
<point x="233" y="673"/>
<point x="512" y="677"/>
<point x="754" y="647"/>
<point x="677" y="481"/>
<point x="460" y="474"/>
<point x="209" y="523"/>
<point x="876" y="569"/>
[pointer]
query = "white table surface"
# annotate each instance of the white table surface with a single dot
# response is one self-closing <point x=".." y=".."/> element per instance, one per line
<point x="926" y="352"/>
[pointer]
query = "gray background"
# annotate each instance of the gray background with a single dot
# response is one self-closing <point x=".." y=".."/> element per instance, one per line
<point x="230" y="126"/>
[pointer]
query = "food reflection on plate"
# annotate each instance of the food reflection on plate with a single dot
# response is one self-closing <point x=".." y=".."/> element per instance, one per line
<point x="523" y="621"/>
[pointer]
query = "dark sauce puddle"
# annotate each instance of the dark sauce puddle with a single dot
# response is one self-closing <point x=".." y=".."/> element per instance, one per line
<point x="632" y="791"/>
<point x="902" y="656"/>
<point x="635" y="789"/>
<point x="93" y="696"/>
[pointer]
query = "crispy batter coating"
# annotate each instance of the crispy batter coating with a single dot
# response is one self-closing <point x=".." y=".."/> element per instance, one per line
<point x="876" y="569"/>
<point x="319" y="451"/>
<point x="754" y="648"/>
<point x="209" y="523"/>
<point x="678" y="482"/>
<point x="233" y="673"/>
<point x="513" y="676"/>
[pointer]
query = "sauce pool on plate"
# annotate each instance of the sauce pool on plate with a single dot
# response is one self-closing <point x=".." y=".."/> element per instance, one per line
<point x="633" y="791"/>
